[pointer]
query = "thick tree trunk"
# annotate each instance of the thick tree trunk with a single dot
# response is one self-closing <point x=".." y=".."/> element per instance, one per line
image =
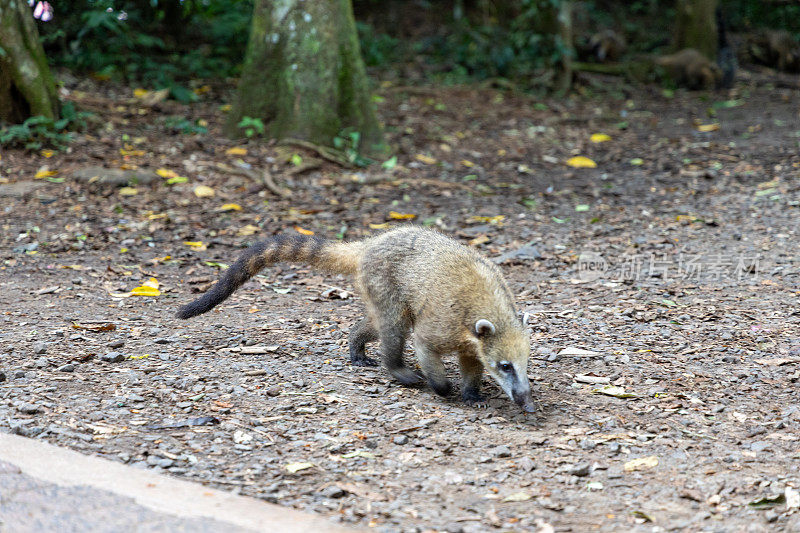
<point x="304" y="76"/>
<point x="696" y="26"/>
<point x="26" y="84"/>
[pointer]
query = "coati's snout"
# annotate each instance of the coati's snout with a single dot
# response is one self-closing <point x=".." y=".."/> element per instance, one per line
<point x="505" y="355"/>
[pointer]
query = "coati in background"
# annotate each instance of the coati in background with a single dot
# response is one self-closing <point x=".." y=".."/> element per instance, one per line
<point x="777" y="49"/>
<point x="413" y="281"/>
<point x="607" y="45"/>
<point x="691" y="69"/>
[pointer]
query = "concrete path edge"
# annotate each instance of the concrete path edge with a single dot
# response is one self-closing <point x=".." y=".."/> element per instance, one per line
<point x="158" y="492"/>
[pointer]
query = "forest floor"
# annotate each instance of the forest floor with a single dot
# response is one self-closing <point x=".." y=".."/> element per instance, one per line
<point x="667" y="380"/>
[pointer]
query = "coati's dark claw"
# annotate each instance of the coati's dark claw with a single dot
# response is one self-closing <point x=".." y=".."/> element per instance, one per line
<point x="473" y="398"/>
<point x="363" y="361"/>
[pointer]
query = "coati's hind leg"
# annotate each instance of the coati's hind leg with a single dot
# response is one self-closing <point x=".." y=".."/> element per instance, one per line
<point x="393" y="342"/>
<point x="471" y="375"/>
<point x="360" y="334"/>
<point x="432" y="367"/>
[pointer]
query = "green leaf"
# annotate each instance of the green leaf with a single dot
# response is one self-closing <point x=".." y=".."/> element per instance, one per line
<point x="581" y="208"/>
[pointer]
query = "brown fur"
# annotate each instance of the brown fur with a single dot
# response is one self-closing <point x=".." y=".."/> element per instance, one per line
<point x="691" y="69"/>
<point x="777" y="49"/>
<point x="413" y="282"/>
<point x="607" y="45"/>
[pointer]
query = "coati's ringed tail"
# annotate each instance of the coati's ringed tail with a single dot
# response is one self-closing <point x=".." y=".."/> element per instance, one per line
<point x="326" y="255"/>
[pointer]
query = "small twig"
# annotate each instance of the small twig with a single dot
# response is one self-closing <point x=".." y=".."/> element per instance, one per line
<point x="265" y="178"/>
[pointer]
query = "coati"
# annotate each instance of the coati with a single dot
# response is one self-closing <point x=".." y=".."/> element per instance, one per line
<point x="776" y="49"/>
<point x="607" y="45"/>
<point x="418" y="282"/>
<point x="691" y="69"/>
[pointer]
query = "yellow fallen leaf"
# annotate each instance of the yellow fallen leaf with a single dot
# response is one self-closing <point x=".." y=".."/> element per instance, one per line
<point x="152" y="282"/>
<point x="428" y="160"/>
<point x="145" y="291"/>
<point x="196" y="245"/>
<point x="44" y="173"/>
<point x="468" y="164"/>
<point x="236" y="151"/>
<point x="379" y="226"/>
<point x="166" y="173"/>
<point x="249" y="229"/>
<point x="401" y="216"/>
<point x="135" y="153"/>
<point x="47" y="153"/>
<point x="642" y="463"/>
<point x="128" y="191"/>
<point x="497" y="219"/>
<point x="705" y="128"/>
<point x="156" y="216"/>
<point x="140" y="93"/>
<point x="225" y="108"/>
<point x="599" y="137"/>
<point x="202" y="89"/>
<point x="501" y="152"/>
<point x="203" y="191"/>
<point x="302" y="231"/>
<point x="296" y="467"/>
<point x="229" y="207"/>
<point x="580" y="161"/>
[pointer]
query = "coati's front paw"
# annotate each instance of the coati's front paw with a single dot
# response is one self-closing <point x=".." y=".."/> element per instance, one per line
<point x="406" y="376"/>
<point x="363" y="361"/>
<point x="473" y="398"/>
<point x="442" y="388"/>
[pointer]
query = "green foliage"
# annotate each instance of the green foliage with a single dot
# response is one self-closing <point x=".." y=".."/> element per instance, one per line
<point x="348" y="142"/>
<point x="377" y="49"/>
<point x="156" y="42"/>
<point x="38" y="132"/>
<point x="185" y="126"/>
<point x="251" y="126"/>
<point x="752" y="14"/>
<point x="515" y="46"/>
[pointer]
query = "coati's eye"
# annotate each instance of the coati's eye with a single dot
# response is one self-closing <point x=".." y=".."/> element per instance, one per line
<point x="505" y="366"/>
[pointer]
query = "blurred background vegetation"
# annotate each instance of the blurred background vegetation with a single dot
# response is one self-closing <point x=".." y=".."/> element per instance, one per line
<point x="167" y="43"/>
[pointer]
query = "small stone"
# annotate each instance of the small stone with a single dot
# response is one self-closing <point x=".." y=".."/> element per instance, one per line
<point x="526" y="464"/>
<point x="581" y="469"/>
<point x="29" y="408"/>
<point x="587" y="444"/>
<point x="69" y="367"/>
<point x="39" y="347"/>
<point x="163" y="340"/>
<point x="112" y="357"/>
<point x="19" y="374"/>
<point x="2" y="377"/>
<point x="42" y="362"/>
<point x="501" y="451"/>
<point x="333" y="491"/>
<point x="274" y="391"/>
<point x="760" y="446"/>
<point x="119" y="343"/>
<point x="400" y="440"/>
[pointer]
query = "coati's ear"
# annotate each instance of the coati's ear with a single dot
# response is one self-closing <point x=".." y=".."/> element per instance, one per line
<point x="526" y="317"/>
<point x="483" y="327"/>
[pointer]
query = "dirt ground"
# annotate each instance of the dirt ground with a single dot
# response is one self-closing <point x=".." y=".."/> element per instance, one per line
<point x="663" y="286"/>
